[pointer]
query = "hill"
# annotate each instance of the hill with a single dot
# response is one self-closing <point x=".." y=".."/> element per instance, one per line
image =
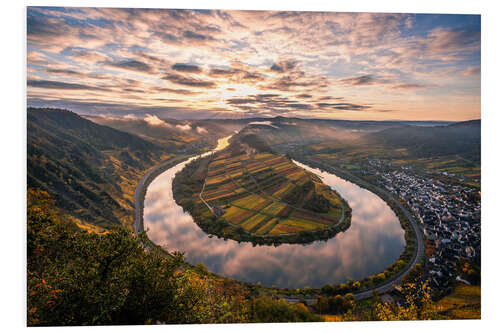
<point x="176" y="135"/>
<point x="90" y="170"/>
<point x="457" y="138"/>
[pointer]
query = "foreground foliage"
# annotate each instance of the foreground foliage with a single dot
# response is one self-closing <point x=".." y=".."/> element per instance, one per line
<point x="80" y="278"/>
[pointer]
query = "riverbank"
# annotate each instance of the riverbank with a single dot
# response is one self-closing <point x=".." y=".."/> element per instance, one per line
<point x="220" y="217"/>
<point x="150" y="175"/>
<point x="144" y="182"/>
<point x="412" y="255"/>
<point x="290" y="293"/>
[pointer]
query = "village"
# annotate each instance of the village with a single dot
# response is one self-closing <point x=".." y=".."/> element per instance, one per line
<point x="449" y="217"/>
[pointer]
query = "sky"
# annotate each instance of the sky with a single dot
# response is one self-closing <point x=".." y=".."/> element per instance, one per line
<point x="192" y="64"/>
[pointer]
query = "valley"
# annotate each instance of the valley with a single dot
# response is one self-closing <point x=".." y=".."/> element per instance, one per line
<point x="251" y="193"/>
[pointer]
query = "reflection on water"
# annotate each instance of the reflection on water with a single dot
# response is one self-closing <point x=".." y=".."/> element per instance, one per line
<point x="373" y="242"/>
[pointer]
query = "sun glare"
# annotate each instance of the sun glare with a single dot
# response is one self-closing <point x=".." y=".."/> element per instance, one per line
<point x="237" y="90"/>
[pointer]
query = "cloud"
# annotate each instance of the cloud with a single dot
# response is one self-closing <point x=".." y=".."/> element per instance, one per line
<point x="290" y="82"/>
<point x="130" y="116"/>
<point x="86" y="55"/>
<point x="411" y="86"/>
<point x="37" y="58"/>
<point x="301" y="57"/>
<point x="360" y="80"/>
<point x="47" y="84"/>
<point x="236" y="75"/>
<point x="446" y="40"/>
<point x="274" y="102"/>
<point x="224" y="71"/>
<point x="38" y="28"/>
<point x="131" y="65"/>
<point x="195" y="36"/>
<point x="343" y="106"/>
<point x="472" y="71"/>
<point x="283" y="66"/>
<point x="188" y="81"/>
<point x="67" y="72"/>
<point x="186" y="68"/>
<point x="304" y="96"/>
<point x="175" y="91"/>
<point x="97" y="107"/>
<point x="300" y="106"/>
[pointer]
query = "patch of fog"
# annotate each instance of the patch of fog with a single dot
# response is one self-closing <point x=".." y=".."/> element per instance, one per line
<point x="201" y="130"/>
<point x="185" y="127"/>
<point x="267" y="123"/>
<point x="155" y="121"/>
<point x="107" y="117"/>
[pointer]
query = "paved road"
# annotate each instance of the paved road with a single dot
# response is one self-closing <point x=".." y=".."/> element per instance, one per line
<point x="140" y="191"/>
<point x="417" y="254"/>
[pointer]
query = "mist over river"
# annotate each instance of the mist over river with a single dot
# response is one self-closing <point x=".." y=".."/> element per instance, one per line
<point x="374" y="240"/>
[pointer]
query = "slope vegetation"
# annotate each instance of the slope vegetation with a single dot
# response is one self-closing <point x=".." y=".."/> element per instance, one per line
<point x="90" y="170"/>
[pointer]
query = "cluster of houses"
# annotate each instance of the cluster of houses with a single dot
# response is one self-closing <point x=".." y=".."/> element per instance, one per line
<point x="449" y="216"/>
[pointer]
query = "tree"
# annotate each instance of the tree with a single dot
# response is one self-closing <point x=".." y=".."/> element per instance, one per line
<point x="417" y="304"/>
<point x="268" y="310"/>
<point x="321" y="305"/>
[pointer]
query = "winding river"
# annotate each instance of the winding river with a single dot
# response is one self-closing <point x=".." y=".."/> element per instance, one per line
<point x="374" y="240"/>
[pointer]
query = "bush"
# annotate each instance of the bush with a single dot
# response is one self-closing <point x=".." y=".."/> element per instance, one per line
<point x="268" y="310"/>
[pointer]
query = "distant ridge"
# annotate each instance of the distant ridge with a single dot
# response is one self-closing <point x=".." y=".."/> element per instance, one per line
<point x="457" y="138"/>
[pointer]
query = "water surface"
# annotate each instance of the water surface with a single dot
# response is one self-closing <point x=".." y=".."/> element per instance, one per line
<point x="374" y="241"/>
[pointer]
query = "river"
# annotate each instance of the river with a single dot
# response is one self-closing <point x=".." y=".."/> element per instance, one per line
<point x="374" y="240"/>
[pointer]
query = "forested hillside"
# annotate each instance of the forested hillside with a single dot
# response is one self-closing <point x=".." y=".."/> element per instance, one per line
<point x="90" y="170"/>
<point x="175" y="135"/>
<point x="458" y="138"/>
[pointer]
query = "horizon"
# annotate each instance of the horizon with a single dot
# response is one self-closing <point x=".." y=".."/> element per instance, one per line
<point x="234" y="64"/>
<point x="135" y="117"/>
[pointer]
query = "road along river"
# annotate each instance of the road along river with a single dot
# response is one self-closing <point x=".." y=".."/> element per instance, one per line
<point x="374" y="240"/>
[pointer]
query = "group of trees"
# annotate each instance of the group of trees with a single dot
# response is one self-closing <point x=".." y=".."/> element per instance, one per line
<point x="80" y="278"/>
<point x="317" y="203"/>
<point x="415" y="303"/>
<point x="337" y="304"/>
<point x="298" y="193"/>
